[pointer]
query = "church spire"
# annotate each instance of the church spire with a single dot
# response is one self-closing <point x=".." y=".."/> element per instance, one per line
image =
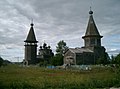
<point x="91" y="28"/>
<point x="31" y="35"/>
<point x="92" y="36"/>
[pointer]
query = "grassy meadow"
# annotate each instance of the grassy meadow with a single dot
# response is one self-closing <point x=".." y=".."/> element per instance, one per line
<point x="16" y="77"/>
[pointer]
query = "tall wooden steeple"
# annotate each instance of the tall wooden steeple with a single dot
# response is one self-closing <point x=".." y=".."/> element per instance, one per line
<point x="92" y="36"/>
<point x="92" y="52"/>
<point x="31" y="46"/>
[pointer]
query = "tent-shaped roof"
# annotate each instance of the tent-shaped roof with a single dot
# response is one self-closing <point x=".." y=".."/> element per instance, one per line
<point x="91" y="28"/>
<point x="31" y="35"/>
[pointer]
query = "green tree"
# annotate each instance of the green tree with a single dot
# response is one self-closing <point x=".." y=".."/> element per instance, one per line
<point x="117" y="59"/>
<point x="61" y="47"/>
<point x="105" y="59"/>
<point x="60" y="50"/>
<point x="57" y="60"/>
<point x="1" y="61"/>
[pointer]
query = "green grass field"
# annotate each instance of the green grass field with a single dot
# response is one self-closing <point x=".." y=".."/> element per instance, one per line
<point x="16" y="77"/>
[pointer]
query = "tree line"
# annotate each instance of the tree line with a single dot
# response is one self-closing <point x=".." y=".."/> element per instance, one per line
<point x="61" y="47"/>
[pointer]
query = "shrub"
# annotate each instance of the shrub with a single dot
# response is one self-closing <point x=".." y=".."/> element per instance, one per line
<point x="57" y="60"/>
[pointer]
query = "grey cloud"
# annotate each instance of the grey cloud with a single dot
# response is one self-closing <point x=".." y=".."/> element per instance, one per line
<point x="57" y="20"/>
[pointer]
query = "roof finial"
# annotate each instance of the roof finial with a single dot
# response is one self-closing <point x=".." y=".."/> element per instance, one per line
<point x="32" y="22"/>
<point x="90" y="8"/>
<point x="90" y="12"/>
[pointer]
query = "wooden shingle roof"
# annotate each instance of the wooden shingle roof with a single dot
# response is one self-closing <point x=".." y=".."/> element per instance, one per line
<point x="80" y="50"/>
<point x="91" y="27"/>
<point x="31" y="35"/>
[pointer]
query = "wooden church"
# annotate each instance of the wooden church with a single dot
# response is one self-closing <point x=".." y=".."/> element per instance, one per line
<point x="92" y="49"/>
<point x="88" y="54"/>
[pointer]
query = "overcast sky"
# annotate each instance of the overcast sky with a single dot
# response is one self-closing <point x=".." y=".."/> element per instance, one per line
<point x="56" y="20"/>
